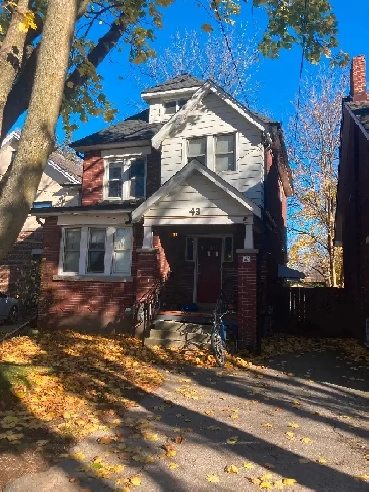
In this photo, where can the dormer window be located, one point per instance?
(126, 179)
(171, 107)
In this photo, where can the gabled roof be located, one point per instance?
(135, 127)
(360, 109)
(71, 170)
(209, 86)
(184, 81)
(181, 176)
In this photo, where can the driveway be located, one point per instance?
(300, 424)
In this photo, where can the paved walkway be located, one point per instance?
(223, 418)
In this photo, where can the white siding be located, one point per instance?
(197, 192)
(155, 110)
(213, 116)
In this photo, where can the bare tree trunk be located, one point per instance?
(11, 52)
(37, 137)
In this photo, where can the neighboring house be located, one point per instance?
(352, 217)
(194, 186)
(60, 185)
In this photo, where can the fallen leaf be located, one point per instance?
(266, 485)
(173, 465)
(266, 476)
(212, 478)
(306, 440)
(179, 439)
(289, 481)
(295, 402)
(248, 466)
(290, 435)
(321, 460)
(364, 478)
(105, 440)
(171, 453)
(232, 440)
(267, 424)
(231, 469)
(293, 425)
(136, 480)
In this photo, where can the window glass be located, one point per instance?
(189, 249)
(72, 240)
(96, 251)
(122, 251)
(181, 103)
(224, 153)
(115, 181)
(170, 107)
(137, 177)
(45, 204)
(197, 149)
(228, 249)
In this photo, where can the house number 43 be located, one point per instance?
(194, 211)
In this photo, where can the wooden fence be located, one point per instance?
(321, 311)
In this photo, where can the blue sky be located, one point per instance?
(278, 78)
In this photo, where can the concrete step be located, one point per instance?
(168, 333)
(180, 327)
(168, 343)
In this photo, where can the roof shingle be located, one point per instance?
(361, 111)
(184, 81)
(133, 128)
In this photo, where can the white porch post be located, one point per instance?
(248, 242)
(147, 237)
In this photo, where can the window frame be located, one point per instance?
(90, 230)
(233, 135)
(188, 157)
(177, 105)
(84, 244)
(125, 164)
(113, 272)
(210, 147)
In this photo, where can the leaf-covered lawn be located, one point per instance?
(56, 388)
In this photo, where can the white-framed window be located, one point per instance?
(126, 179)
(92, 250)
(196, 149)
(171, 107)
(217, 152)
(225, 159)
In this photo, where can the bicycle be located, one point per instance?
(219, 339)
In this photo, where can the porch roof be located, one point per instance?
(289, 273)
(180, 177)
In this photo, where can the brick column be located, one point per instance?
(147, 270)
(247, 298)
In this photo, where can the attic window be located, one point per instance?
(171, 107)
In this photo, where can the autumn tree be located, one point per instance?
(50, 52)
(313, 144)
(198, 53)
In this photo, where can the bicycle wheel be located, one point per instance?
(217, 345)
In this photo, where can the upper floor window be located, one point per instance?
(96, 250)
(196, 149)
(127, 179)
(224, 153)
(171, 107)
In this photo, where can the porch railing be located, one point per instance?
(146, 308)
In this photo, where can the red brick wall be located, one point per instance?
(247, 302)
(19, 273)
(358, 79)
(83, 305)
(92, 178)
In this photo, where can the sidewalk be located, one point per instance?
(300, 425)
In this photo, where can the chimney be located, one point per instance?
(358, 79)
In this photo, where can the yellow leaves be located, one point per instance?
(212, 478)
(267, 424)
(231, 469)
(151, 437)
(366, 456)
(363, 478)
(306, 440)
(321, 461)
(295, 403)
(290, 435)
(232, 440)
(289, 481)
(266, 476)
(171, 453)
(135, 481)
(248, 466)
(28, 22)
(266, 485)
(293, 425)
(172, 465)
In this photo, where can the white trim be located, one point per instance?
(181, 176)
(171, 93)
(193, 221)
(12, 136)
(83, 257)
(357, 122)
(198, 96)
(63, 172)
(115, 145)
(126, 152)
(79, 220)
(125, 164)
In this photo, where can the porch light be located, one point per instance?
(174, 234)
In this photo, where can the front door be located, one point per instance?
(209, 264)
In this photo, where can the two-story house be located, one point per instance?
(60, 185)
(194, 186)
(352, 216)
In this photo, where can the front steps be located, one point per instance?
(180, 330)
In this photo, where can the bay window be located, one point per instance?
(126, 179)
(96, 251)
